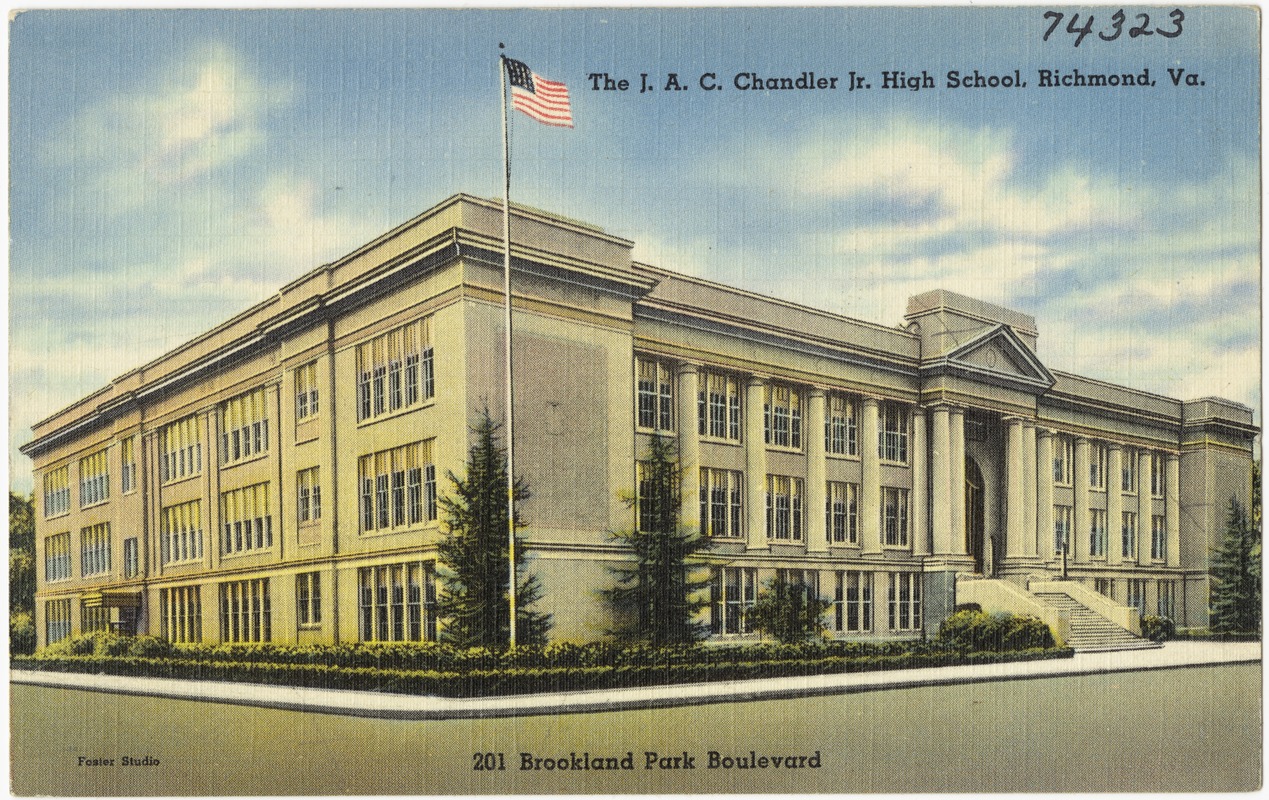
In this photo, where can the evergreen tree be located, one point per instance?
(790, 612)
(21, 574)
(655, 598)
(474, 600)
(1235, 576)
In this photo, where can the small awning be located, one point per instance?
(111, 598)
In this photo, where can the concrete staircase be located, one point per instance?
(1090, 631)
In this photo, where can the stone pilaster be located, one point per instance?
(689, 439)
(816, 472)
(1080, 521)
(1015, 515)
(941, 481)
(1029, 489)
(1172, 508)
(1145, 510)
(755, 466)
(1044, 493)
(870, 479)
(1114, 504)
(920, 505)
(957, 487)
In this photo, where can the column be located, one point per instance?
(1079, 520)
(1172, 508)
(816, 473)
(957, 487)
(1029, 532)
(689, 439)
(755, 466)
(870, 479)
(1145, 509)
(941, 481)
(1015, 516)
(1044, 493)
(1114, 504)
(920, 508)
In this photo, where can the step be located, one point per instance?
(1090, 631)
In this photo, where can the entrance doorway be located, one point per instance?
(975, 518)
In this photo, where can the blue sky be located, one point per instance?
(170, 168)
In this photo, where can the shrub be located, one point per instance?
(791, 612)
(967, 607)
(1157, 629)
(21, 633)
(978, 631)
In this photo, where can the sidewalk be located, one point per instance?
(1172, 655)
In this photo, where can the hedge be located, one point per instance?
(977, 630)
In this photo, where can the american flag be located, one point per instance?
(546, 101)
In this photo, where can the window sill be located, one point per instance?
(842, 456)
(402, 411)
(720, 440)
(95, 505)
(255, 551)
(173, 481)
(251, 459)
(656, 431)
(889, 462)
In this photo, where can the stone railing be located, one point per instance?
(999, 595)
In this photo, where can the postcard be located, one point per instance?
(635, 400)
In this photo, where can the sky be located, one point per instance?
(169, 169)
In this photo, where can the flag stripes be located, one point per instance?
(544, 100)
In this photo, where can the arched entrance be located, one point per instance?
(975, 516)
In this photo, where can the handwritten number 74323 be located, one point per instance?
(1079, 29)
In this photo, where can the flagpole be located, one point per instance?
(506, 341)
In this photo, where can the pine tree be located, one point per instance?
(656, 598)
(1235, 576)
(790, 612)
(474, 600)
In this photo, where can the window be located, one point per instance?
(1097, 466)
(722, 503)
(57, 492)
(94, 479)
(92, 620)
(248, 523)
(1062, 460)
(306, 404)
(718, 407)
(308, 493)
(655, 401)
(840, 431)
(1097, 532)
(180, 450)
(308, 598)
(853, 605)
(782, 417)
(398, 487)
(131, 558)
(181, 533)
(841, 513)
(1137, 595)
(1061, 529)
(784, 508)
(57, 557)
(395, 370)
(244, 426)
(893, 433)
(1104, 586)
(733, 591)
(894, 516)
(1157, 475)
(397, 603)
(181, 614)
(94, 550)
(905, 601)
(57, 620)
(1158, 537)
(1129, 535)
(1167, 599)
(244, 611)
(128, 481)
(648, 516)
(1128, 478)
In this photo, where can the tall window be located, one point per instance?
(1157, 479)
(718, 406)
(1097, 532)
(1158, 537)
(92, 620)
(181, 614)
(1137, 595)
(398, 487)
(57, 492)
(840, 431)
(655, 390)
(94, 479)
(893, 433)
(181, 533)
(1062, 460)
(905, 601)
(244, 424)
(1128, 478)
(57, 557)
(248, 519)
(1097, 466)
(395, 370)
(397, 603)
(841, 514)
(306, 395)
(94, 550)
(722, 503)
(245, 615)
(784, 508)
(894, 516)
(853, 604)
(57, 620)
(1061, 529)
(1128, 535)
(733, 591)
(308, 598)
(1104, 586)
(180, 450)
(131, 558)
(308, 495)
(129, 457)
(782, 416)
(1167, 599)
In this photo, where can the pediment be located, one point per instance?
(998, 354)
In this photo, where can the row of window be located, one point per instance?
(1098, 539)
(398, 487)
(1098, 467)
(395, 370)
(734, 590)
